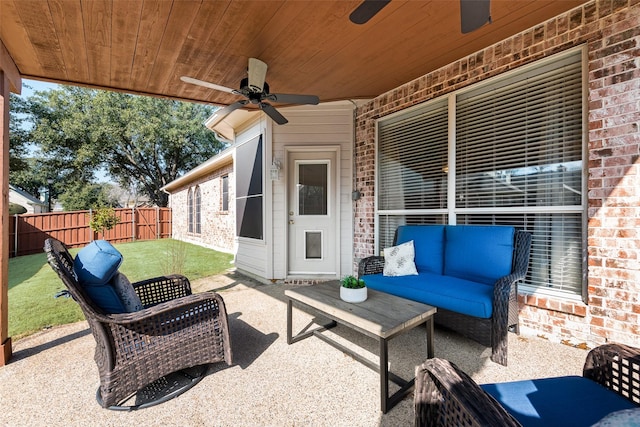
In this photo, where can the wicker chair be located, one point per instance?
(490, 332)
(156, 353)
(446, 396)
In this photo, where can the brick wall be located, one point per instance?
(217, 226)
(611, 32)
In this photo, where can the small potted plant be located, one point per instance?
(352, 289)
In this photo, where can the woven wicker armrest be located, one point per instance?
(370, 265)
(446, 396)
(617, 367)
(174, 311)
(161, 289)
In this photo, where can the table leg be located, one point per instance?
(384, 375)
(430, 346)
(302, 335)
(289, 321)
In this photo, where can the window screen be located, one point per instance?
(249, 192)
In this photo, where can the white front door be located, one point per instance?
(312, 213)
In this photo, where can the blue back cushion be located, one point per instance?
(428, 242)
(95, 265)
(478, 253)
(560, 401)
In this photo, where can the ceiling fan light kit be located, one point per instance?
(256, 91)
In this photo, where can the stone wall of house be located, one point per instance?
(611, 31)
(217, 226)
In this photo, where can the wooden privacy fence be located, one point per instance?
(28, 232)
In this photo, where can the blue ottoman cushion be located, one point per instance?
(535, 403)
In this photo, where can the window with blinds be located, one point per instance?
(518, 153)
(190, 210)
(197, 212)
(412, 160)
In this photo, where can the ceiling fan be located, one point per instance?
(256, 91)
(473, 13)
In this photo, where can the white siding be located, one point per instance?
(328, 125)
(252, 255)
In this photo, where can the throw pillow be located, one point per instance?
(400, 260)
(128, 296)
(96, 263)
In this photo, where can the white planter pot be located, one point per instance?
(353, 295)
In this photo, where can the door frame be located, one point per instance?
(334, 149)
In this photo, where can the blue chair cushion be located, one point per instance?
(105, 297)
(428, 243)
(562, 401)
(449, 293)
(94, 266)
(478, 253)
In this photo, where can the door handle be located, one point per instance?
(291, 222)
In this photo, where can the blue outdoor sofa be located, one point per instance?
(468, 272)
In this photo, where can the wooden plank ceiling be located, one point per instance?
(311, 47)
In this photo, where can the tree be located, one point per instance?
(81, 196)
(142, 142)
(18, 134)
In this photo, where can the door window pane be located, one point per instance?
(312, 189)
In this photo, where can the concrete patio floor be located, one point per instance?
(52, 379)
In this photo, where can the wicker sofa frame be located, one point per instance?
(490, 332)
(175, 331)
(445, 396)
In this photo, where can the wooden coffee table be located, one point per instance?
(382, 316)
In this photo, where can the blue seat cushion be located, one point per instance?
(562, 401)
(95, 265)
(105, 297)
(428, 242)
(478, 253)
(449, 293)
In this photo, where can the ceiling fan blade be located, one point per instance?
(273, 113)
(257, 74)
(293, 99)
(221, 113)
(474, 14)
(214, 86)
(367, 10)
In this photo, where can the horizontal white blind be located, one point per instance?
(519, 161)
(556, 247)
(412, 160)
(519, 141)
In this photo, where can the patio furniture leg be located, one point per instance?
(304, 334)
(430, 345)
(387, 402)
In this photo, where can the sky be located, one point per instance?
(36, 85)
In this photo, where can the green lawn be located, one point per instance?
(33, 284)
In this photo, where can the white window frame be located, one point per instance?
(451, 211)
